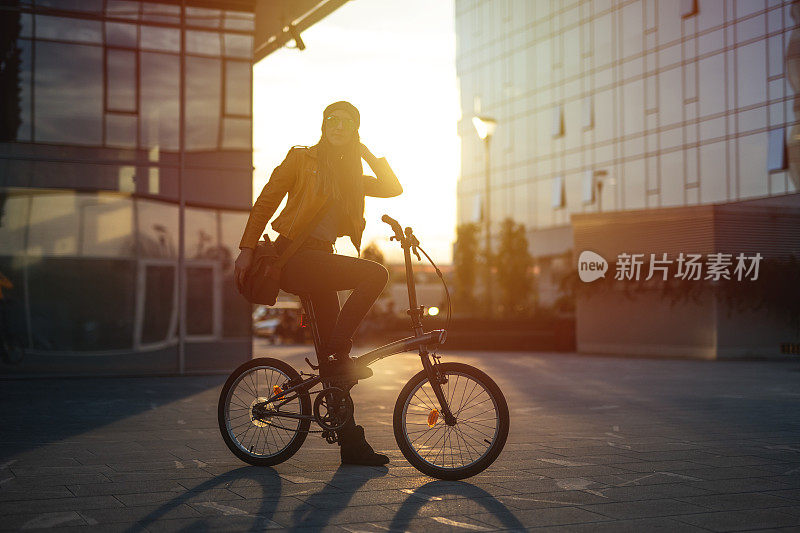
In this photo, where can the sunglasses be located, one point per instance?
(334, 121)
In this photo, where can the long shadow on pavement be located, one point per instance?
(495, 510)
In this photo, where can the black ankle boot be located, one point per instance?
(355, 450)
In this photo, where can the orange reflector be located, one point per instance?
(276, 389)
(433, 417)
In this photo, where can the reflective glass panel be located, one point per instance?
(121, 34)
(239, 20)
(238, 45)
(158, 228)
(95, 6)
(203, 95)
(160, 39)
(203, 17)
(68, 93)
(159, 107)
(156, 12)
(121, 80)
(127, 9)
(237, 88)
(121, 130)
(107, 226)
(13, 222)
(203, 42)
(236, 133)
(68, 29)
(202, 233)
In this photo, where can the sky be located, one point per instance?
(395, 61)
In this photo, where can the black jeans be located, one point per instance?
(315, 270)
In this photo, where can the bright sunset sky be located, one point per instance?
(395, 61)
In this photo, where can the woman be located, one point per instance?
(311, 175)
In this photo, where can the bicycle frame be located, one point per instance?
(420, 341)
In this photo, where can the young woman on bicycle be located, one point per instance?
(311, 175)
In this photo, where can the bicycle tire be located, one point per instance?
(247, 375)
(498, 431)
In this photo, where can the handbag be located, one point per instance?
(261, 282)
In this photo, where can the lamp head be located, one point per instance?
(485, 126)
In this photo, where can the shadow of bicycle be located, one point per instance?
(435, 491)
(270, 503)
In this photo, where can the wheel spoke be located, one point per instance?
(461, 445)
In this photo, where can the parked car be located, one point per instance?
(279, 323)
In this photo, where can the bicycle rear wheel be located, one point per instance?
(248, 428)
(465, 448)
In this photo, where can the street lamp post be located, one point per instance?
(485, 127)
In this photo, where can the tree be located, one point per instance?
(514, 264)
(373, 252)
(465, 267)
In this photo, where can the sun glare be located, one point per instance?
(402, 79)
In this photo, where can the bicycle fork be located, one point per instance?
(436, 380)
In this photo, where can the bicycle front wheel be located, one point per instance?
(254, 430)
(465, 448)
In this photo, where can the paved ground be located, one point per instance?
(596, 444)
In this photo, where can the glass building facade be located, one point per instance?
(667, 102)
(116, 117)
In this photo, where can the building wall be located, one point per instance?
(676, 110)
(92, 151)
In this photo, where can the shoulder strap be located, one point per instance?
(281, 260)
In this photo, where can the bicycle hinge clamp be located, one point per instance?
(416, 316)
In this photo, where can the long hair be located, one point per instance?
(340, 173)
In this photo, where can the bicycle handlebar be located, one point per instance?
(398, 231)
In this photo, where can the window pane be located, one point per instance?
(82, 304)
(161, 13)
(202, 233)
(203, 80)
(238, 45)
(95, 6)
(751, 73)
(69, 93)
(127, 9)
(159, 302)
(121, 80)
(54, 225)
(68, 29)
(161, 39)
(121, 34)
(159, 106)
(121, 130)
(204, 17)
(199, 301)
(158, 229)
(753, 178)
(13, 222)
(107, 226)
(237, 88)
(237, 134)
(712, 85)
(203, 42)
(26, 23)
(239, 20)
(713, 175)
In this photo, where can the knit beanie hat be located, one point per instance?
(346, 106)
